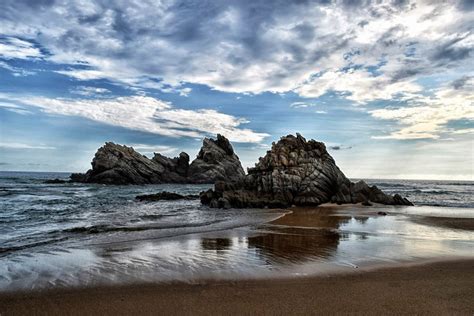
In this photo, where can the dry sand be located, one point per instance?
(436, 288)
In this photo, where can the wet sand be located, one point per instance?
(447, 222)
(434, 288)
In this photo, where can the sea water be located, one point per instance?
(63, 235)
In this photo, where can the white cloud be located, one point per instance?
(89, 91)
(147, 149)
(83, 74)
(12, 47)
(361, 86)
(185, 92)
(298, 105)
(17, 72)
(427, 117)
(14, 108)
(149, 115)
(23, 146)
(463, 131)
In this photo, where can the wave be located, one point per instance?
(435, 192)
(5, 250)
(98, 229)
(385, 184)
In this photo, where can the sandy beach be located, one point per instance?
(413, 273)
(433, 288)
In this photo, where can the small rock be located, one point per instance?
(55, 181)
(168, 196)
(382, 213)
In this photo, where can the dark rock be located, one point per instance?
(78, 177)
(117, 164)
(382, 213)
(55, 181)
(295, 172)
(165, 195)
(215, 161)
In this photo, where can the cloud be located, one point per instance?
(148, 114)
(17, 72)
(89, 91)
(461, 82)
(463, 131)
(6, 145)
(185, 92)
(14, 108)
(427, 117)
(148, 149)
(298, 105)
(361, 86)
(260, 47)
(13, 47)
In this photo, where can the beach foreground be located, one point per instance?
(435, 288)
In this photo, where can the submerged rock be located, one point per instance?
(165, 195)
(295, 172)
(117, 164)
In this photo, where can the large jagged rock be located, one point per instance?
(117, 164)
(295, 172)
(216, 161)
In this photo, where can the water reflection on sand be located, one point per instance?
(305, 240)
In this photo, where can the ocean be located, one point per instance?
(62, 235)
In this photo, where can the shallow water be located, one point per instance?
(83, 235)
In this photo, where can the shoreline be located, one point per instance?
(437, 286)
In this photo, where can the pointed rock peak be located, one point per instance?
(221, 142)
(300, 138)
(224, 143)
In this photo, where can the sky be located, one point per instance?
(387, 85)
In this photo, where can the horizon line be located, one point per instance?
(350, 178)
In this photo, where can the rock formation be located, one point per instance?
(295, 172)
(216, 161)
(117, 164)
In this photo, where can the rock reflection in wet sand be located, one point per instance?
(217, 244)
(304, 234)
